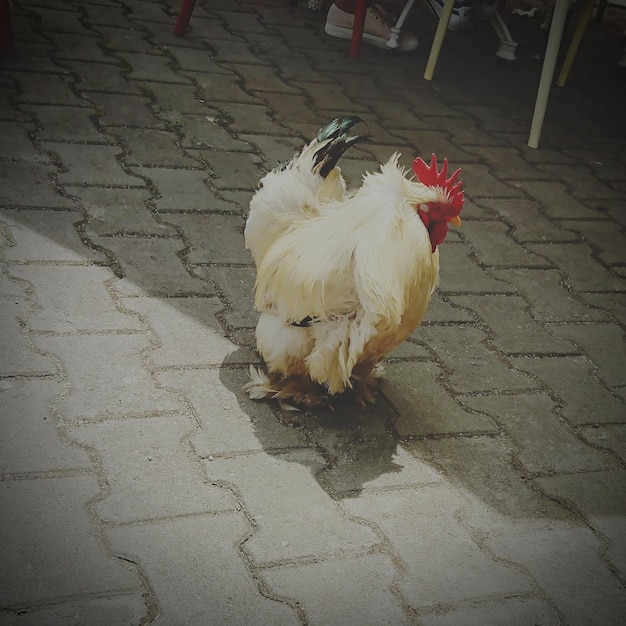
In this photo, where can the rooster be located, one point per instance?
(342, 277)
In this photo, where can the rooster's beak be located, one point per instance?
(455, 221)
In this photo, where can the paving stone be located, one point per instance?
(495, 488)
(59, 122)
(609, 437)
(49, 236)
(204, 580)
(471, 279)
(513, 330)
(19, 357)
(49, 538)
(444, 310)
(279, 520)
(274, 150)
(510, 611)
(233, 170)
(208, 27)
(351, 591)
(565, 560)
(16, 144)
(205, 131)
(603, 344)
(231, 422)
(465, 132)
(582, 182)
(220, 87)
(31, 182)
(73, 299)
(470, 365)
(548, 295)
(124, 110)
(237, 285)
(25, 407)
(614, 303)
(149, 473)
(604, 237)
(509, 162)
(423, 403)
(532, 418)
(101, 77)
(601, 497)
(81, 47)
(151, 67)
(119, 609)
(528, 220)
(438, 142)
(556, 200)
(152, 147)
(182, 189)
(583, 398)
(98, 15)
(143, 275)
(589, 274)
(106, 388)
(212, 237)
(47, 88)
(91, 165)
(175, 99)
(187, 330)
(494, 246)
(116, 211)
(443, 563)
(253, 119)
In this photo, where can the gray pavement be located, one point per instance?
(139, 484)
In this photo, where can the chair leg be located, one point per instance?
(581, 25)
(183, 18)
(547, 71)
(440, 34)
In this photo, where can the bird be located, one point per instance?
(342, 276)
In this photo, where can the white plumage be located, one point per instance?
(342, 278)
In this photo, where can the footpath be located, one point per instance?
(139, 485)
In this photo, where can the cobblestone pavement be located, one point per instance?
(138, 484)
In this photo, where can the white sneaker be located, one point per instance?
(377, 30)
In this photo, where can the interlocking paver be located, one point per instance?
(27, 418)
(365, 596)
(202, 579)
(278, 536)
(555, 447)
(139, 481)
(149, 476)
(443, 563)
(188, 330)
(49, 538)
(573, 379)
(80, 303)
(106, 388)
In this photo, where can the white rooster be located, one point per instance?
(342, 278)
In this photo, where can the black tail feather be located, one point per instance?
(326, 158)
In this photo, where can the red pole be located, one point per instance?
(357, 29)
(183, 17)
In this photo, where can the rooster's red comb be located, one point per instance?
(431, 176)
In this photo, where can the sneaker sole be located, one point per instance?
(379, 42)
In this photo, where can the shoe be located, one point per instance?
(377, 30)
(461, 12)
